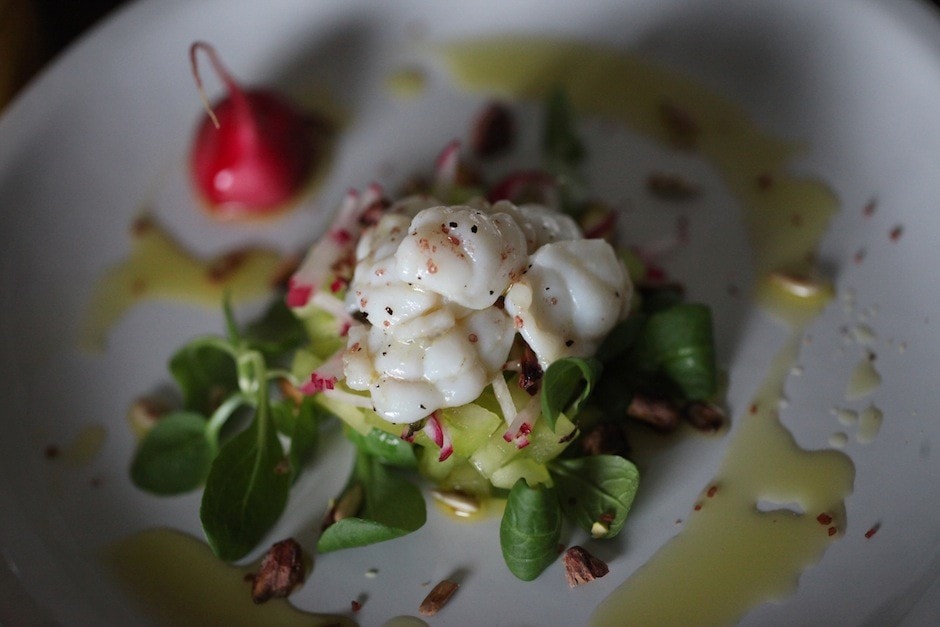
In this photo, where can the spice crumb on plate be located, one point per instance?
(581, 567)
(438, 597)
(281, 570)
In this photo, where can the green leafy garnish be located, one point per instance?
(530, 530)
(562, 148)
(566, 385)
(391, 507)
(387, 447)
(676, 351)
(175, 455)
(245, 494)
(247, 487)
(305, 434)
(205, 371)
(247, 476)
(596, 492)
(276, 333)
(563, 151)
(621, 338)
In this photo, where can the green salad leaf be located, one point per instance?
(301, 425)
(621, 338)
(530, 529)
(387, 447)
(596, 489)
(205, 371)
(566, 385)
(563, 151)
(278, 332)
(561, 146)
(246, 490)
(391, 507)
(676, 351)
(175, 455)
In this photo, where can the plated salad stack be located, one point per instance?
(485, 342)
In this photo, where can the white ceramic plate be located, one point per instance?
(101, 135)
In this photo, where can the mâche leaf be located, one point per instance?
(676, 348)
(596, 492)
(561, 145)
(563, 151)
(246, 489)
(530, 529)
(566, 385)
(305, 434)
(205, 371)
(391, 507)
(277, 332)
(387, 447)
(621, 338)
(175, 455)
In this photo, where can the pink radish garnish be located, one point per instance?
(252, 152)
(447, 165)
(438, 434)
(320, 271)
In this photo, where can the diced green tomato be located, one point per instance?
(493, 455)
(469, 427)
(545, 444)
(421, 439)
(526, 468)
(430, 467)
(504, 463)
(487, 400)
(463, 477)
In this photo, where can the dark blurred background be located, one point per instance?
(62, 20)
(33, 31)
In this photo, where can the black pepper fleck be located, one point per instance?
(473, 229)
(453, 225)
(388, 310)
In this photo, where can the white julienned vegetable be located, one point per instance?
(446, 289)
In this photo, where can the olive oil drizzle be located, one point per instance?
(773, 508)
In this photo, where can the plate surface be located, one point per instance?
(101, 136)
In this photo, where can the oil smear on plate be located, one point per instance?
(773, 508)
(159, 268)
(865, 377)
(180, 580)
